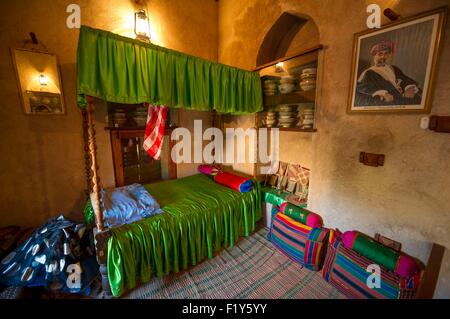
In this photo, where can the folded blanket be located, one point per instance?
(238, 183)
(403, 265)
(127, 204)
(301, 215)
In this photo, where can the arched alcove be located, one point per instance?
(291, 32)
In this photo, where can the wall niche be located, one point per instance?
(291, 33)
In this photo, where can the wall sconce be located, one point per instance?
(279, 67)
(43, 80)
(141, 26)
(40, 92)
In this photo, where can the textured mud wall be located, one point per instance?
(409, 198)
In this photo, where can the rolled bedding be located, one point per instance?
(301, 215)
(238, 183)
(208, 169)
(401, 264)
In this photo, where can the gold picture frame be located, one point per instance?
(405, 85)
(38, 81)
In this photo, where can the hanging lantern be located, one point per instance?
(141, 25)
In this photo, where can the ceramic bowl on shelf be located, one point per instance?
(307, 76)
(287, 114)
(119, 122)
(288, 125)
(269, 81)
(287, 79)
(307, 87)
(271, 87)
(270, 91)
(288, 107)
(287, 120)
(140, 121)
(286, 88)
(309, 71)
(308, 81)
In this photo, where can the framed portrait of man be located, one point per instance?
(393, 67)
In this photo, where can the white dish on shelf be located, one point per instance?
(286, 88)
(286, 125)
(304, 76)
(288, 107)
(307, 87)
(308, 81)
(309, 71)
(270, 87)
(288, 120)
(287, 114)
(287, 79)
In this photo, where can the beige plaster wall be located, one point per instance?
(42, 161)
(307, 37)
(407, 199)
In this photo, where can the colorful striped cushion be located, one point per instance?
(299, 242)
(346, 270)
(401, 264)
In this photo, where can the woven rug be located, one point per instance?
(253, 269)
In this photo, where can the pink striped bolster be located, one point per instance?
(406, 266)
(282, 206)
(313, 220)
(348, 238)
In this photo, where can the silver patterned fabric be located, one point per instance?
(58, 255)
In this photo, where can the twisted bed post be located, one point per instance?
(100, 234)
(95, 199)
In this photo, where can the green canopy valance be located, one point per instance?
(124, 70)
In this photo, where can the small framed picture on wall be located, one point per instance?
(394, 67)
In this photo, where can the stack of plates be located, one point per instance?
(308, 79)
(140, 116)
(287, 116)
(287, 84)
(307, 118)
(270, 119)
(270, 87)
(119, 117)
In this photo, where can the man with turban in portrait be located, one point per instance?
(385, 84)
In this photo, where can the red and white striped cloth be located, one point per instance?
(154, 129)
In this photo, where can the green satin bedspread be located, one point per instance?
(200, 218)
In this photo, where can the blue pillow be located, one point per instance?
(127, 204)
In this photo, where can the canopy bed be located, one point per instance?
(200, 216)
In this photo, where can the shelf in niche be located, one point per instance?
(293, 129)
(294, 98)
(135, 128)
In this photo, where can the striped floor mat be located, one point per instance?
(253, 269)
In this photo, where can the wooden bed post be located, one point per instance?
(87, 156)
(94, 167)
(100, 234)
